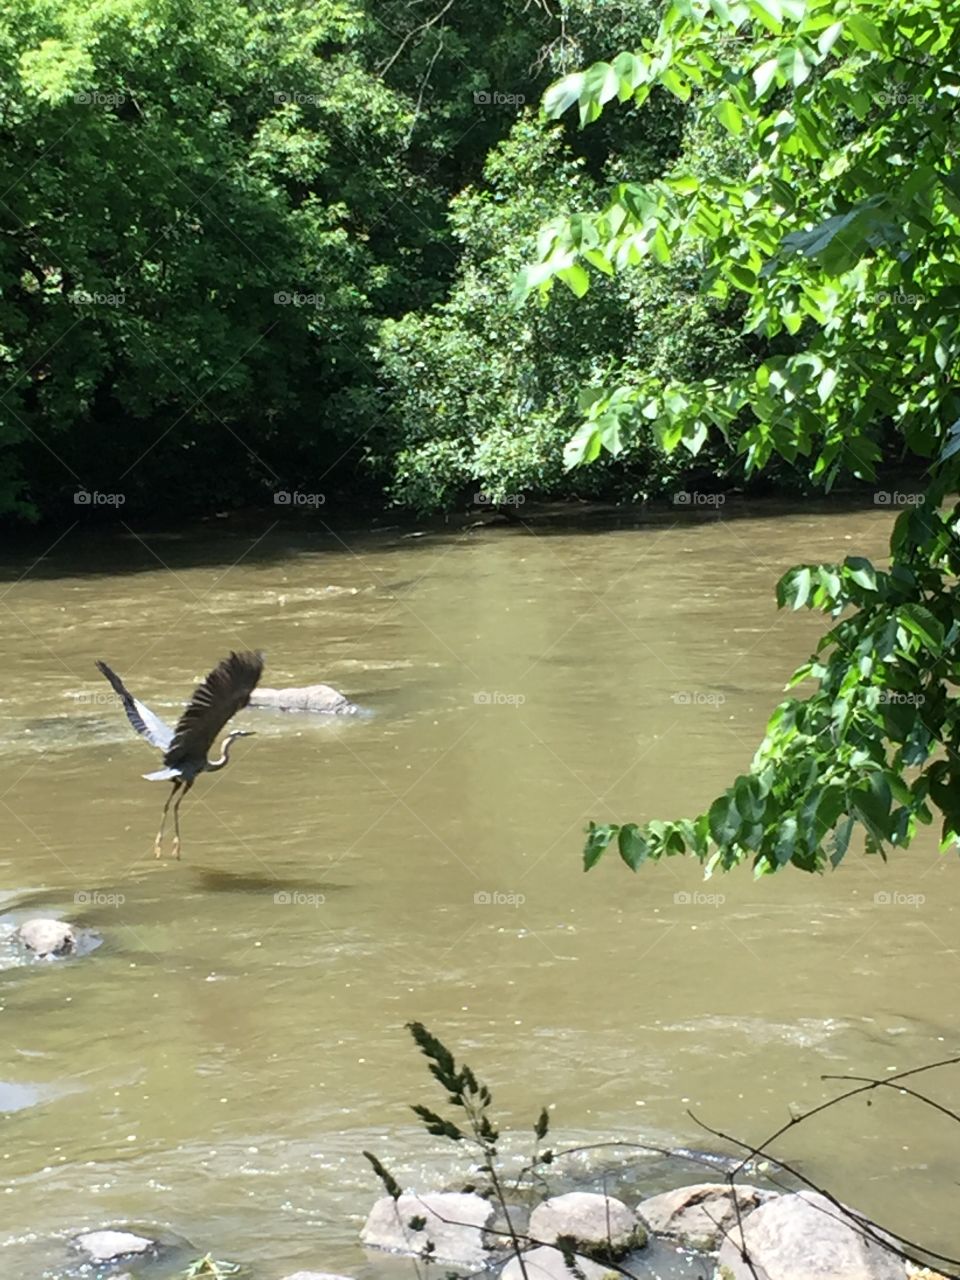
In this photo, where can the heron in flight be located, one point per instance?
(224, 692)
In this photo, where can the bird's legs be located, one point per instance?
(176, 818)
(157, 844)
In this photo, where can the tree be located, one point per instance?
(843, 240)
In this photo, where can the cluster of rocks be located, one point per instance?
(750, 1232)
(753, 1233)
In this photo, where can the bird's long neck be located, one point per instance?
(214, 765)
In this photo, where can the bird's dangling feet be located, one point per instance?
(157, 847)
(176, 847)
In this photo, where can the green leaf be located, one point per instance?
(729, 116)
(763, 76)
(598, 841)
(919, 621)
(861, 572)
(576, 279)
(633, 847)
(583, 446)
(864, 32)
(562, 95)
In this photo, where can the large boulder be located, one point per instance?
(547, 1263)
(454, 1221)
(593, 1222)
(101, 1247)
(700, 1216)
(312, 697)
(48, 938)
(804, 1236)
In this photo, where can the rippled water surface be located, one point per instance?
(217, 1065)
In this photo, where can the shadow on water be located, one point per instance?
(215, 880)
(84, 550)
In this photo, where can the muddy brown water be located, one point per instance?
(217, 1065)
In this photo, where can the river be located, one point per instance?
(219, 1063)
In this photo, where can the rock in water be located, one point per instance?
(48, 938)
(315, 1275)
(595, 1222)
(804, 1236)
(700, 1216)
(312, 697)
(110, 1246)
(453, 1221)
(547, 1263)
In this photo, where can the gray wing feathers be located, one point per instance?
(147, 724)
(224, 692)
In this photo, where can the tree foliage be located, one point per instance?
(842, 239)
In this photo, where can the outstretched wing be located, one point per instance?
(225, 691)
(147, 724)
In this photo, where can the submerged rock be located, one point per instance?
(592, 1221)
(700, 1216)
(312, 697)
(547, 1263)
(110, 1246)
(315, 1275)
(453, 1221)
(804, 1236)
(48, 938)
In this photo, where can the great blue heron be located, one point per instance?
(224, 692)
